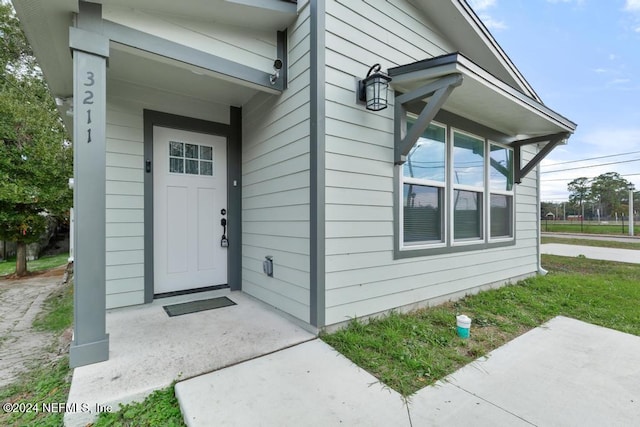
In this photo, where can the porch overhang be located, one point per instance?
(453, 83)
(47, 25)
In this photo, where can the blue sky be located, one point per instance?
(582, 57)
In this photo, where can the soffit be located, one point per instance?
(483, 98)
(46, 24)
(166, 75)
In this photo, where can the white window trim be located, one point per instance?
(470, 188)
(449, 194)
(511, 193)
(429, 183)
(425, 244)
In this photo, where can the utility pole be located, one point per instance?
(581, 214)
(631, 222)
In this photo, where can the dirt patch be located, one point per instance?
(20, 345)
(54, 272)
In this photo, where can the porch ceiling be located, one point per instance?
(46, 24)
(132, 66)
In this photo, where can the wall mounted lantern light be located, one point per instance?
(373, 89)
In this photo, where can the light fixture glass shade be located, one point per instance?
(374, 88)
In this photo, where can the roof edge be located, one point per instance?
(485, 34)
(458, 62)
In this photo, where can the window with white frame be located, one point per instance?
(468, 187)
(457, 189)
(423, 197)
(501, 191)
(191, 159)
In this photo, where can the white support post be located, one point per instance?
(630, 212)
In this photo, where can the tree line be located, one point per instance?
(601, 197)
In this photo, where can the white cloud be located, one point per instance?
(624, 139)
(632, 5)
(479, 5)
(489, 22)
(492, 24)
(618, 82)
(578, 2)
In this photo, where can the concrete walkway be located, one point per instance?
(592, 252)
(565, 372)
(149, 350)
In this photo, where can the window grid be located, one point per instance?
(191, 159)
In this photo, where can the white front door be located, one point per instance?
(189, 193)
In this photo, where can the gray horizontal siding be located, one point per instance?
(275, 185)
(122, 299)
(125, 213)
(362, 277)
(346, 311)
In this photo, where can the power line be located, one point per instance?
(595, 158)
(593, 166)
(571, 179)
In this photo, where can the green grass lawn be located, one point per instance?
(45, 383)
(407, 352)
(634, 244)
(45, 263)
(161, 408)
(588, 227)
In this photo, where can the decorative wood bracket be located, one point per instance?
(554, 140)
(438, 91)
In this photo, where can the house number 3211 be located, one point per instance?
(88, 100)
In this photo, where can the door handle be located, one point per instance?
(224, 242)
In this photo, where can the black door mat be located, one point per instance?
(195, 306)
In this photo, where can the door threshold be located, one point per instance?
(190, 291)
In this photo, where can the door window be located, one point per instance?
(191, 159)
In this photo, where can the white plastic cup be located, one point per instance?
(464, 325)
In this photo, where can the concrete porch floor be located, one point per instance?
(149, 349)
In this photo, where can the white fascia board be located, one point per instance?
(491, 42)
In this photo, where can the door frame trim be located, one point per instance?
(233, 133)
